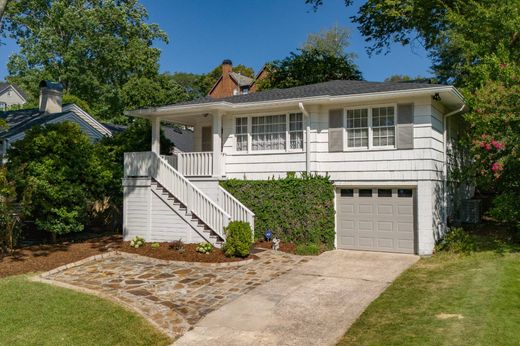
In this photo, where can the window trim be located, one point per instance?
(287, 149)
(370, 128)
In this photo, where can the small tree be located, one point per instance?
(58, 167)
(10, 218)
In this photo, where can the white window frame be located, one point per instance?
(250, 133)
(370, 128)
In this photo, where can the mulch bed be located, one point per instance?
(188, 254)
(285, 247)
(44, 257)
(37, 258)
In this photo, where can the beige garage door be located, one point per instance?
(376, 219)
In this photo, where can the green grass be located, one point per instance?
(483, 288)
(39, 314)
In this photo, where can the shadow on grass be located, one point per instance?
(493, 236)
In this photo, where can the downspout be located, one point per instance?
(307, 138)
(445, 163)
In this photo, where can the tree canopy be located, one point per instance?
(321, 58)
(93, 47)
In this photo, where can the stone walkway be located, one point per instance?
(172, 295)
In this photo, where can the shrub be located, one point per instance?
(176, 245)
(457, 240)
(307, 249)
(238, 239)
(137, 242)
(59, 170)
(297, 210)
(10, 215)
(155, 245)
(205, 248)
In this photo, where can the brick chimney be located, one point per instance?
(51, 94)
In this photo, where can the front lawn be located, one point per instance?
(40, 314)
(449, 299)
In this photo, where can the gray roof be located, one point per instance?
(22, 120)
(241, 79)
(331, 88)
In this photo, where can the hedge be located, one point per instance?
(297, 210)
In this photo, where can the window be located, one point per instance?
(365, 193)
(347, 192)
(383, 126)
(241, 133)
(384, 192)
(3, 106)
(357, 128)
(404, 193)
(296, 130)
(268, 132)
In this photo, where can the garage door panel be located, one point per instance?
(385, 209)
(376, 223)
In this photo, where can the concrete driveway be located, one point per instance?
(313, 304)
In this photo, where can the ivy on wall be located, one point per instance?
(298, 210)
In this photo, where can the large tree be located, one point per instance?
(321, 58)
(93, 47)
(476, 45)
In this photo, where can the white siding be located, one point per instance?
(147, 215)
(419, 167)
(11, 97)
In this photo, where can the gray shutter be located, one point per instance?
(404, 130)
(336, 130)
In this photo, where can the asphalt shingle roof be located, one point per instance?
(331, 88)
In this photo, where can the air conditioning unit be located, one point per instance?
(470, 211)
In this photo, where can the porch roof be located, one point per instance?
(321, 93)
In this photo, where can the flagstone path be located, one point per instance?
(172, 295)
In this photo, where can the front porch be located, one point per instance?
(207, 158)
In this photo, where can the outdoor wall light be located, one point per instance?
(436, 97)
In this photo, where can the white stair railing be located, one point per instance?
(196, 202)
(235, 208)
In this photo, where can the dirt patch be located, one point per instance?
(449, 316)
(45, 257)
(188, 254)
(285, 247)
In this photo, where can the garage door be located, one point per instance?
(376, 219)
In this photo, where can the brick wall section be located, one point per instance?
(226, 84)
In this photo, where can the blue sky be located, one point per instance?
(251, 32)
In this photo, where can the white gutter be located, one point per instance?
(324, 99)
(307, 138)
(445, 155)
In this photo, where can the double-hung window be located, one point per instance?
(268, 132)
(241, 133)
(357, 128)
(280, 132)
(383, 126)
(296, 130)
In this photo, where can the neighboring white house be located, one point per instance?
(50, 111)
(10, 95)
(384, 145)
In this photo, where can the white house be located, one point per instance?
(11, 95)
(384, 145)
(50, 111)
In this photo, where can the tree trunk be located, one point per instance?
(3, 4)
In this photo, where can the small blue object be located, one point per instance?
(268, 235)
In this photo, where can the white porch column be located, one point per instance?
(156, 135)
(217, 143)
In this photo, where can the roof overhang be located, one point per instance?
(449, 96)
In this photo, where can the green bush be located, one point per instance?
(238, 239)
(307, 249)
(137, 242)
(204, 248)
(457, 240)
(297, 210)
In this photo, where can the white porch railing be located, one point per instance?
(236, 209)
(194, 164)
(196, 202)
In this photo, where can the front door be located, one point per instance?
(207, 139)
